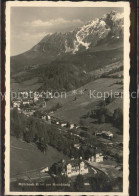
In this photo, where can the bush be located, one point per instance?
(118, 118)
(79, 183)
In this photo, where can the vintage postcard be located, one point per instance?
(67, 98)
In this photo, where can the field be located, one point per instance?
(32, 84)
(111, 168)
(26, 157)
(74, 108)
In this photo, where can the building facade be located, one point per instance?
(75, 168)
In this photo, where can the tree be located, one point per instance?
(93, 183)
(103, 103)
(42, 145)
(60, 144)
(21, 105)
(118, 158)
(101, 183)
(82, 122)
(88, 153)
(108, 100)
(118, 118)
(79, 183)
(102, 118)
(56, 169)
(84, 134)
(17, 123)
(61, 179)
(27, 136)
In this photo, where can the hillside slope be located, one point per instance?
(26, 154)
(64, 60)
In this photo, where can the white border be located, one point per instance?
(126, 7)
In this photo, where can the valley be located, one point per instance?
(78, 137)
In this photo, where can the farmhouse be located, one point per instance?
(44, 104)
(77, 146)
(16, 104)
(72, 126)
(98, 134)
(28, 112)
(43, 117)
(36, 98)
(63, 124)
(98, 157)
(47, 118)
(46, 169)
(105, 134)
(26, 102)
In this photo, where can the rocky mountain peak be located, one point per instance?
(110, 26)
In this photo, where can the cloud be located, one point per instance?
(28, 36)
(34, 36)
(52, 22)
(26, 40)
(31, 32)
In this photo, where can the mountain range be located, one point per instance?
(64, 60)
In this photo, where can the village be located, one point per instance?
(95, 163)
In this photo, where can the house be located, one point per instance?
(45, 170)
(19, 110)
(70, 168)
(28, 112)
(96, 158)
(46, 118)
(36, 98)
(98, 134)
(107, 134)
(44, 104)
(43, 117)
(16, 104)
(63, 124)
(26, 102)
(92, 159)
(76, 167)
(71, 126)
(77, 146)
(99, 157)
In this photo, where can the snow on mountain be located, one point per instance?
(98, 34)
(99, 29)
(96, 30)
(85, 37)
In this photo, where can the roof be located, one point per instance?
(16, 101)
(73, 162)
(28, 110)
(106, 132)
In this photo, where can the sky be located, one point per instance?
(29, 25)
